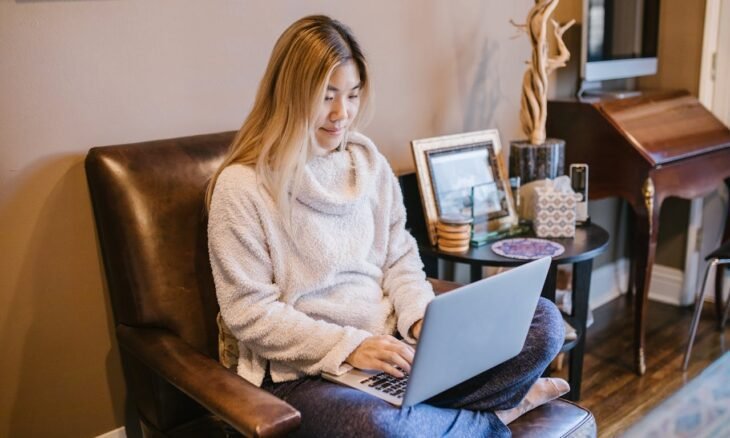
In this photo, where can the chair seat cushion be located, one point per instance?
(559, 418)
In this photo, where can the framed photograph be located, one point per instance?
(463, 175)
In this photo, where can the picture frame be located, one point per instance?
(449, 167)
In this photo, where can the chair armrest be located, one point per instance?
(249, 409)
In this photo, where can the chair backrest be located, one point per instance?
(148, 202)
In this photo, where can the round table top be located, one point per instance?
(589, 241)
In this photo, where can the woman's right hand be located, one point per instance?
(382, 353)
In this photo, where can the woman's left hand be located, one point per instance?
(415, 330)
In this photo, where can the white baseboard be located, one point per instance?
(116, 433)
(611, 280)
(666, 285)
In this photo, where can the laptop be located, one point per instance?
(465, 332)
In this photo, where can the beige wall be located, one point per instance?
(681, 26)
(79, 73)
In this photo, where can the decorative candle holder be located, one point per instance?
(534, 162)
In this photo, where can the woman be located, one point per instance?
(314, 270)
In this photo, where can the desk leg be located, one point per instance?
(647, 230)
(631, 237)
(581, 290)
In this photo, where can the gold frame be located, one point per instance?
(422, 148)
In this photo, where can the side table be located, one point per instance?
(589, 241)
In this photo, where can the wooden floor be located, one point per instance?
(612, 391)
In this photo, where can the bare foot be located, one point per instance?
(541, 392)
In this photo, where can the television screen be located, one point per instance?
(620, 30)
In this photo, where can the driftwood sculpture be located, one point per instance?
(533, 111)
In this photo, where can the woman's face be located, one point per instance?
(339, 108)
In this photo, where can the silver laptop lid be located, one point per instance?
(474, 328)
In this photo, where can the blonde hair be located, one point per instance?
(277, 136)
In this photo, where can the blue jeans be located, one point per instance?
(332, 410)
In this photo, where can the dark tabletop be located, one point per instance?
(589, 241)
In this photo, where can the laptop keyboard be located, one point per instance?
(388, 384)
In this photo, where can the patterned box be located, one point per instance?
(554, 213)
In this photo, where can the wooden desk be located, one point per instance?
(644, 150)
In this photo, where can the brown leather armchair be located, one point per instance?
(150, 217)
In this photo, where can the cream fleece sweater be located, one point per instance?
(353, 270)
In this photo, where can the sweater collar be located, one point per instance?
(336, 182)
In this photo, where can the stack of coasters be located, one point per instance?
(454, 233)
